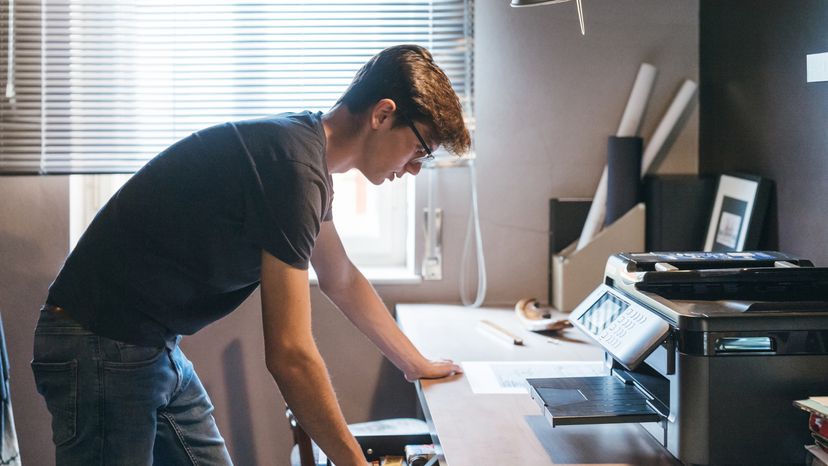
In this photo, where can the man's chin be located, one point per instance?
(375, 179)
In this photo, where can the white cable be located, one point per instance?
(474, 227)
(581, 16)
(431, 221)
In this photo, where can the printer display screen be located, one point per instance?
(602, 313)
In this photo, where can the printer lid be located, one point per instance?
(707, 276)
(799, 284)
(706, 291)
(696, 260)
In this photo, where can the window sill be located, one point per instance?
(382, 276)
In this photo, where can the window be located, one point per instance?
(375, 222)
(101, 87)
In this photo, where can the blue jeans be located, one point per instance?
(118, 404)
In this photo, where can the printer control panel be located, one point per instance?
(624, 328)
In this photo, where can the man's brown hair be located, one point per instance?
(408, 75)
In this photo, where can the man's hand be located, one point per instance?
(434, 370)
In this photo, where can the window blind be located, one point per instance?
(102, 86)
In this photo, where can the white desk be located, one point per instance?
(509, 429)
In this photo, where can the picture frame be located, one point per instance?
(738, 213)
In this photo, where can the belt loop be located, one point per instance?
(52, 309)
(171, 343)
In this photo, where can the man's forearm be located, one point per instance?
(306, 387)
(292, 357)
(345, 285)
(360, 303)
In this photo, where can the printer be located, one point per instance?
(706, 350)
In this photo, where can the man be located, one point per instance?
(193, 233)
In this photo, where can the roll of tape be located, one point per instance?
(529, 307)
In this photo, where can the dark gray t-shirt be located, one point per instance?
(179, 245)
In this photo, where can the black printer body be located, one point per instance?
(706, 350)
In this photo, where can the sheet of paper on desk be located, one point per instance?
(493, 377)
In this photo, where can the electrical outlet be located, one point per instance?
(432, 267)
(817, 66)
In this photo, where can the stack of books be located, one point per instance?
(817, 407)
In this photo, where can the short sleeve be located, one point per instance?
(328, 216)
(284, 210)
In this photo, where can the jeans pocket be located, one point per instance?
(131, 356)
(57, 382)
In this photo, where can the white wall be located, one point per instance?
(546, 99)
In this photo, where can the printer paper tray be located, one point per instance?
(591, 400)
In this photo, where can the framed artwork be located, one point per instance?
(738, 213)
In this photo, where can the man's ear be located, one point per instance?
(382, 113)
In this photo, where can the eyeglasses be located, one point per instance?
(429, 156)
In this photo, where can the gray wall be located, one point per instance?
(546, 100)
(34, 229)
(762, 117)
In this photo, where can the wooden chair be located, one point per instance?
(302, 445)
(377, 438)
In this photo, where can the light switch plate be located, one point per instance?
(817, 65)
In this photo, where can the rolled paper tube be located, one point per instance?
(669, 126)
(630, 123)
(623, 176)
(595, 217)
(637, 103)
